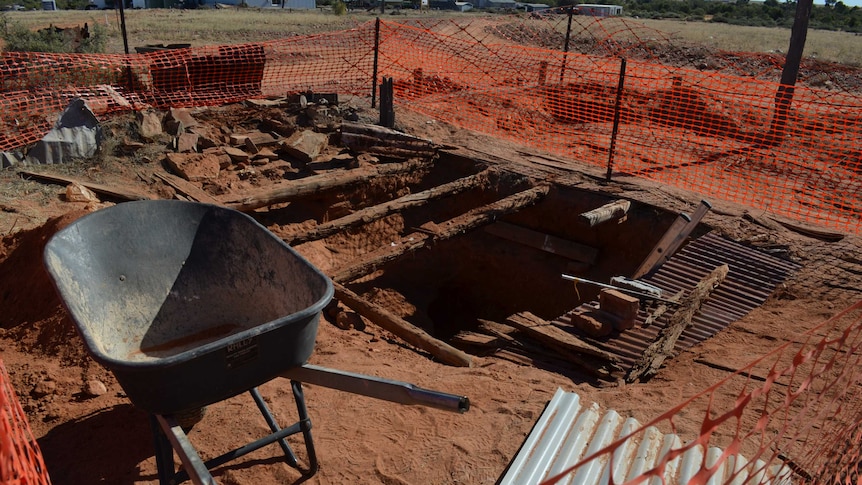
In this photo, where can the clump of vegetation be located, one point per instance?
(834, 15)
(81, 40)
(339, 7)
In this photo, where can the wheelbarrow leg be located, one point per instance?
(304, 425)
(178, 441)
(273, 426)
(164, 453)
(170, 437)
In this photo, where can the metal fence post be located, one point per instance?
(123, 26)
(566, 43)
(376, 53)
(616, 118)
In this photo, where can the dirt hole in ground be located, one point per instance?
(446, 286)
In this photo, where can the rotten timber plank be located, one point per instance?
(477, 340)
(565, 346)
(115, 192)
(405, 330)
(188, 189)
(545, 242)
(316, 183)
(662, 348)
(545, 332)
(379, 211)
(458, 225)
(614, 210)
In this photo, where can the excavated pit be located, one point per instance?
(447, 285)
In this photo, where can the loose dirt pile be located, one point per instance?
(89, 432)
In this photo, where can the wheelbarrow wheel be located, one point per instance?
(189, 418)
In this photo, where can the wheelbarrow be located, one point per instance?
(189, 304)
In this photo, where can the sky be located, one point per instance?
(849, 3)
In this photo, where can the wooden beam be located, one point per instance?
(405, 330)
(696, 217)
(660, 310)
(615, 210)
(528, 352)
(477, 217)
(115, 192)
(552, 244)
(565, 345)
(661, 246)
(384, 134)
(476, 339)
(379, 211)
(547, 333)
(681, 228)
(187, 188)
(662, 348)
(809, 231)
(497, 329)
(316, 183)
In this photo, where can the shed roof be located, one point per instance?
(569, 430)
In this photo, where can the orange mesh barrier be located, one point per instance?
(796, 415)
(707, 121)
(20, 458)
(793, 152)
(35, 87)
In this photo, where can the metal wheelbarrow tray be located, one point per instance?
(186, 303)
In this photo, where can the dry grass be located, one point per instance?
(234, 25)
(842, 47)
(198, 27)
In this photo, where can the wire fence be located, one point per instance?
(641, 107)
(605, 92)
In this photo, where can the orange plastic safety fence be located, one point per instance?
(795, 417)
(630, 39)
(793, 152)
(20, 458)
(36, 87)
(712, 122)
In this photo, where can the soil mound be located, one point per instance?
(32, 311)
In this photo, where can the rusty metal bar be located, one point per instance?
(376, 387)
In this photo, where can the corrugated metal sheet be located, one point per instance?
(569, 430)
(753, 276)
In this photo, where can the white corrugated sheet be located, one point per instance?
(569, 430)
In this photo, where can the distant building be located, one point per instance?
(597, 10)
(441, 4)
(102, 4)
(534, 7)
(291, 4)
(498, 4)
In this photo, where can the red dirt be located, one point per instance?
(88, 438)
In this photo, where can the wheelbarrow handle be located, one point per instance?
(376, 387)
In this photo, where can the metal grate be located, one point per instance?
(753, 276)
